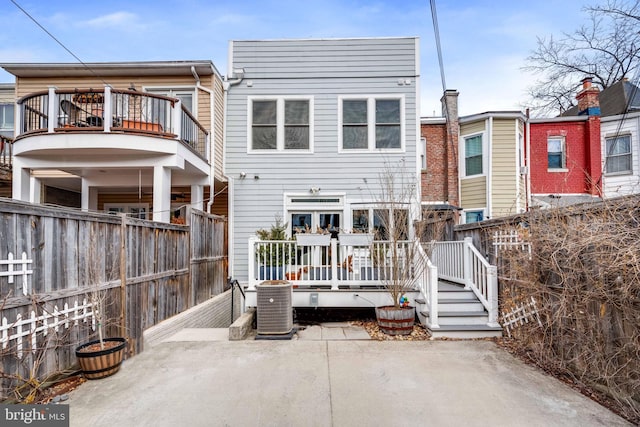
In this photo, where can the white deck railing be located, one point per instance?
(335, 266)
(460, 262)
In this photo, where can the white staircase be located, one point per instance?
(460, 314)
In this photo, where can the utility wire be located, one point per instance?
(58, 41)
(434, 18)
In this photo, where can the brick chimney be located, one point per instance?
(588, 102)
(450, 110)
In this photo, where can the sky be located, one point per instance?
(485, 43)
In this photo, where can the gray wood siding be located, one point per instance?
(323, 70)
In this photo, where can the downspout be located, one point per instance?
(226, 85)
(211, 138)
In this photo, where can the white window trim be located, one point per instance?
(465, 211)
(563, 140)
(485, 155)
(606, 156)
(279, 123)
(371, 123)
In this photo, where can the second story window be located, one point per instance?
(6, 116)
(280, 124)
(556, 157)
(618, 154)
(371, 123)
(473, 155)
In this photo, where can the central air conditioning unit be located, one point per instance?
(275, 310)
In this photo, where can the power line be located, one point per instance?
(58, 41)
(434, 18)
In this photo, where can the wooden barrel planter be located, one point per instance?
(96, 363)
(395, 320)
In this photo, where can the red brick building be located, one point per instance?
(565, 159)
(439, 177)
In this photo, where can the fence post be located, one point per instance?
(334, 265)
(466, 261)
(123, 275)
(492, 295)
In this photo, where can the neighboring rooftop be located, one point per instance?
(619, 98)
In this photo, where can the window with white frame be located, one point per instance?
(473, 216)
(371, 123)
(6, 116)
(618, 158)
(556, 154)
(280, 124)
(473, 155)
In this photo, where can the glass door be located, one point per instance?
(313, 220)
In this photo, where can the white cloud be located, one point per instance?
(120, 20)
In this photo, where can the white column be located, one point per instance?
(89, 197)
(107, 113)
(21, 181)
(161, 194)
(35, 195)
(197, 196)
(177, 119)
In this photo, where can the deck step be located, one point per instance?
(459, 305)
(460, 317)
(466, 331)
(459, 295)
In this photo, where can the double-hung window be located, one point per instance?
(371, 123)
(280, 124)
(556, 155)
(473, 155)
(618, 154)
(6, 116)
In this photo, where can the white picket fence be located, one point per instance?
(29, 328)
(521, 314)
(23, 270)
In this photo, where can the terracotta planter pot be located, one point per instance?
(99, 363)
(395, 321)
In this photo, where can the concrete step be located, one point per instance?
(461, 317)
(465, 331)
(459, 305)
(447, 286)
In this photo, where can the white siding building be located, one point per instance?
(311, 124)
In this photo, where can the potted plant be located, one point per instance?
(101, 357)
(398, 257)
(308, 237)
(273, 254)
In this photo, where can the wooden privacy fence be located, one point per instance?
(52, 261)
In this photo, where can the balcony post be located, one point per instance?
(52, 110)
(177, 119)
(161, 194)
(251, 263)
(334, 264)
(106, 109)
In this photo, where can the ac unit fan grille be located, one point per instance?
(275, 313)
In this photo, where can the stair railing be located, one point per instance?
(428, 285)
(460, 262)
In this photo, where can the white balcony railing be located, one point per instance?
(110, 110)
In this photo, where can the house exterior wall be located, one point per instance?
(625, 183)
(322, 70)
(505, 191)
(434, 176)
(574, 178)
(474, 193)
(473, 190)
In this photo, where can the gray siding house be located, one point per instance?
(310, 126)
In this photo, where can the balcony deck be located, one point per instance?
(111, 111)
